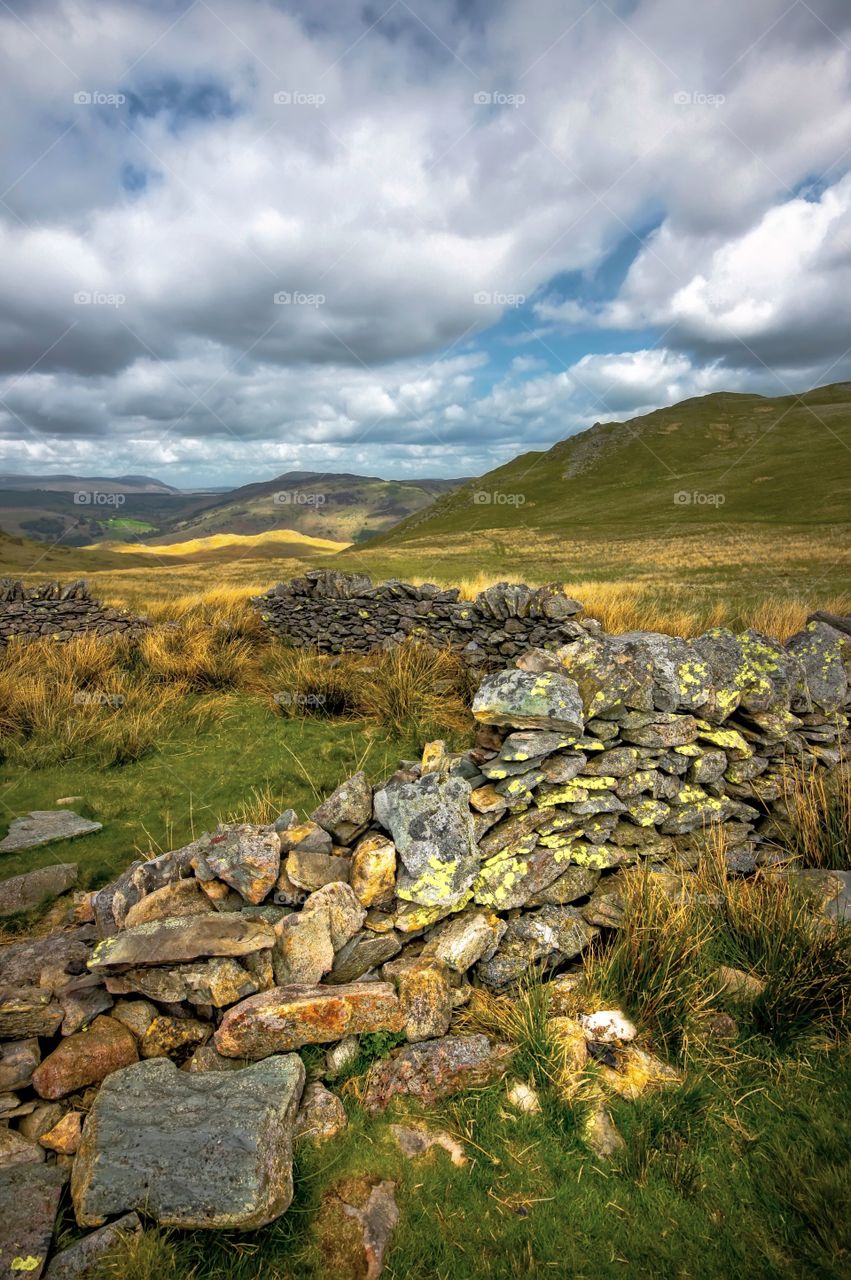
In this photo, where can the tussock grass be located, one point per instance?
(413, 689)
(819, 805)
(198, 655)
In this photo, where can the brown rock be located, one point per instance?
(41, 1120)
(246, 857)
(218, 982)
(309, 837)
(175, 940)
(425, 997)
(739, 987)
(436, 1069)
(85, 1058)
(313, 870)
(181, 898)
(28, 1011)
(135, 1014)
(288, 1017)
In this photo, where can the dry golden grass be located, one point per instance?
(819, 805)
(283, 538)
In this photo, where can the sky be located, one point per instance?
(241, 237)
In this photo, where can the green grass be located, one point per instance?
(250, 758)
(717, 1180)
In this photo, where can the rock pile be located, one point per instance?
(162, 1032)
(336, 612)
(61, 612)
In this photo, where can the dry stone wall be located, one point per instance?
(167, 1022)
(337, 612)
(53, 610)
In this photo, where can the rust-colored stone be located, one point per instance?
(286, 1018)
(85, 1058)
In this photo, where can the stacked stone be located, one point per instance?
(338, 612)
(60, 612)
(168, 1026)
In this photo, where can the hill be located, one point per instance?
(717, 458)
(78, 511)
(223, 546)
(343, 507)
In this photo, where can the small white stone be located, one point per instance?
(523, 1097)
(607, 1025)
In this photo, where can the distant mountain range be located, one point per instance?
(77, 511)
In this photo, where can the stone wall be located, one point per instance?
(53, 610)
(337, 612)
(388, 906)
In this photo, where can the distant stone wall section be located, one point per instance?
(61, 612)
(344, 612)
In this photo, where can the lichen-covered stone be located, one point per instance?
(424, 994)
(373, 870)
(321, 1115)
(313, 871)
(347, 812)
(174, 940)
(246, 857)
(541, 938)
(465, 939)
(29, 1203)
(821, 651)
(209, 1149)
(181, 898)
(524, 700)
(286, 1018)
(220, 981)
(432, 828)
(169, 1037)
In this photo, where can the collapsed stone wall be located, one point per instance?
(61, 612)
(344, 612)
(387, 907)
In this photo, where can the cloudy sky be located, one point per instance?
(408, 238)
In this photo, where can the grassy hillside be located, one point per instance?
(343, 508)
(227, 546)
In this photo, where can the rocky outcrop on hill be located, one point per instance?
(59, 612)
(379, 914)
(336, 612)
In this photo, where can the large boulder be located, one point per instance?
(526, 700)
(206, 1149)
(286, 1018)
(432, 827)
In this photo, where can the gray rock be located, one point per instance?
(435, 1069)
(525, 700)
(16, 1150)
(46, 962)
(83, 1260)
(43, 826)
(246, 857)
(28, 1011)
(18, 1061)
(34, 888)
(208, 1149)
(465, 939)
(365, 951)
(347, 812)
(29, 1202)
(432, 827)
(177, 939)
(542, 938)
(821, 649)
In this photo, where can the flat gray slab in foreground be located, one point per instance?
(43, 826)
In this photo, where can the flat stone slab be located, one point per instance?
(82, 1260)
(43, 826)
(180, 938)
(29, 1200)
(206, 1149)
(286, 1018)
(22, 893)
